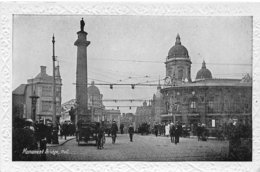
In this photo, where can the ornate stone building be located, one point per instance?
(144, 114)
(206, 100)
(42, 86)
(95, 104)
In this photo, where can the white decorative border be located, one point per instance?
(105, 8)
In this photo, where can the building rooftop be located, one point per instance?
(214, 82)
(178, 50)
(20, 90)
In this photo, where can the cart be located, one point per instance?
(86, 133)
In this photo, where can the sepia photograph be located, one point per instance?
(132, 88)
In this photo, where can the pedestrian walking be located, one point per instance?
(114, 130)
(167, 130)
(122, 128)
(100, 136)
(199, 131)
(204, 132)
(163, 129)
(178, 131)
(43, 131)
(156, 129)
(172, 132)
(131, 132)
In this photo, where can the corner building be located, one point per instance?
(42, 86)
(207, 100)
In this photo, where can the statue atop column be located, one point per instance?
(82, 24)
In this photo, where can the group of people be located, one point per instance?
(67, 128)
(35, 135)
(144, 128)
(170, 129)
(202, 132)
(28, 135)
(113, 131)
(160, 129)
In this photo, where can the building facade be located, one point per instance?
(144, 114)
(206, 100)
(95, 105)
(112, 115)
(95, 102)
(41, 86)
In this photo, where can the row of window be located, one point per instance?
(48, 92)
(47, 106)
(211, 107)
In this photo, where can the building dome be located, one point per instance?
(204, 73)
(178, 50)
(93, 90)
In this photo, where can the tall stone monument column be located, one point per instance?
(82, 75)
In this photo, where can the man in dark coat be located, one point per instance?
(49, 129)
(131, 132)
(114, 130)
(100, 135)
(199, 131)
(172, 132)
(72, 115)
(122, 128)
(178, 132)
(42, 137)
(65, 129)
(156, 130)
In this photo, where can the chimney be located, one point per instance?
(43, 69)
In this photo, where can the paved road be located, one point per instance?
(143, 148)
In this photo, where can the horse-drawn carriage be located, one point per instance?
(87, 132)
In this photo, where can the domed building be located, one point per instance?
(208, 100)
(95, 102)
(203, 73)
(178, 63)
(178, 50)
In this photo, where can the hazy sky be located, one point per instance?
(119, 43)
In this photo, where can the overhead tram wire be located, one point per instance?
(148, 61)
(120, 84)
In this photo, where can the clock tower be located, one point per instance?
(178, 64)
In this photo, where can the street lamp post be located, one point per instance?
(55, 129)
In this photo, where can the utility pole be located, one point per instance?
(55, 130)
